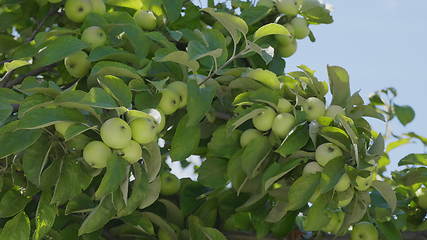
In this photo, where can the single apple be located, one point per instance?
(143, 130)
(283, 124)
(264, 120)
(265, 77)
(131, 153)
(343, 183)
(288, 7)
(116, 133)
(313, 108)
(364, 231)
(145, 19)
(169, 102)
(249, 135)
(344, 198)
(98, 6)
(77, 10)
(334, 110)
(326, 152)
(286, 39)
(61, 127)
(181, 89)
(422, 197)
(77, 64)
(335, 221)
(170, 184)
(301, 27)
(311, 168)
(288, 49)
(158, 117)
(96, 154)
(363, 183)
(284, 106)
(94, 36)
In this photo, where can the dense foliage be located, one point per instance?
(95, 96)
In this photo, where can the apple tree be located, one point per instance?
(96, 95)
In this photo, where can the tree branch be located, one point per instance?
(34, 72)
(52, 11)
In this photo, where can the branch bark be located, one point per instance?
(34, 72)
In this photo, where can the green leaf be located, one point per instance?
(339, 85)
(10, 66)
(99, 216)
(414, 159)
(213, 234)
(97, 97)
(223, 144)
(277, 170)
(75, 130)
(397, 143)
(405, 114)
(31, 102)
(253, 15)
(190, 196)
(9, 96)
(212, 172)
(173, 9)
(12, 202)
(80, 204)
(114, 54)
(270, 29)
(199, 102)
(114, 176)
(254, 155)
(18, 228)
(45, 215)
(117, 69)
(294, 141)
(389, 230)
(185, 140)
(138, 220)
(386, 191)
(179, 57)
(316, 218)
(234, 170)
(117, 88)
(162, 224)
(151, 193)
(337, 136)
(43, 117)
(5, 111)
(331, 174)
(302, 190)
(152, 161)
(55, 50)
(35, 158)
(134, 4)
(14, 142)
(316, 13)
(173, 213)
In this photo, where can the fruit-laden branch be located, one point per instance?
(34, 72)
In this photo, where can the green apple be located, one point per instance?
(263, 121)
(96, 154)
(170, 184)
(249, 135)
(363, 183)
(135, 114)
(116, 133)
(334, 110)
(143, 130)
(61, 127)
(326, 152)
(422, 197)
(300, 26)
(265, 77)
(163, 235)
(98, 6)
(78, 142)
(94, 36)
(335, 222)
(145, 19)
(286, 39)
(288, 7)
(132, 152)
(181, 89)
(283, 124)
(288, 49)
(343, 183)
(344, 198)
(158, 117)
(364, 231)
(77, 64)
(77, 10)
(169, 102)
(284, 106)
(311, 168)
(313, 108)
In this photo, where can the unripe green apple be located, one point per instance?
(77, 10)
(163, 235)
(116, 133)
(265, 77)
(326, 152)
(313, 108)
(143, 130)
(78, 142)
(170, 184)
(301, 27)
(181, 89)
(145, 19)
(61, 127)
(264, 120)
(286, 39)
(363, 183)
(94, 36)
(344, 198)
(169, 102)
(364, 231)
(98, 6)
(334, 110)
(335, 222)
(77, 64)
(284, 106)
(283, 124)
(311, 168)
(158, 117)
(288, 7)
(249, 135)
(96, 154)
(343, 183)
(422, 197)
(132, 152)
(288, 49)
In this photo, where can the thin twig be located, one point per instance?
(34, 72)
(52, 11)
